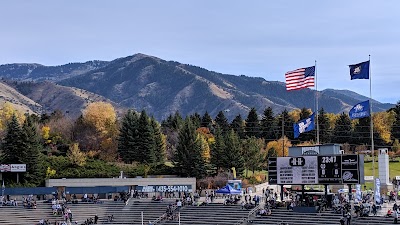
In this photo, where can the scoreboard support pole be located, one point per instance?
(326, 192)
(350, 192)
(282, 193)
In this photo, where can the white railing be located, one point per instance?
(248, 215)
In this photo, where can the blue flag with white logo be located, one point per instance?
(378, 191)
(304, 126)
(360, 110)
(359, 71)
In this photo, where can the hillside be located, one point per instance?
(69, 100)
(38, 72)
(19, 101)
(163, 87)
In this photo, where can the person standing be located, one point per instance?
(374, 209)
(96, 218)
(348, 218)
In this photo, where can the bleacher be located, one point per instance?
(212, 214)
(122, 214)
(282, 215)
(13, 215)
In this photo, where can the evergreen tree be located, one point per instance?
(167, 123)
(361, 134)
(188, 160)
(32, 149)
(325, 130)
(343, 131)
(146, 142)
(206, 120)
(268, 125)
(287, 125)
(217, 150)
(13, 146)
(128, 147)
(159, 146)
(252, 153)
(196, 120)
(252, 127)
(177, 121)
(238, 126)
(222, 121)
(233, 152)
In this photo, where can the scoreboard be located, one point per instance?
(317, 169)
(329, 170)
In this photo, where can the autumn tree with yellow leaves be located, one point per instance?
(6, 113)
(76, 156)
(97, 130)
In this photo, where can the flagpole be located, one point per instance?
(371, 125)
(316, 100)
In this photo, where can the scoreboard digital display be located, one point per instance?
(317, 169)
(329, 169)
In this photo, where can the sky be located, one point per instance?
(252, 38)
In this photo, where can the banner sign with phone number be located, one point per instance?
(165, 188)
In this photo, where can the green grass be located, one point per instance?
(394, 169)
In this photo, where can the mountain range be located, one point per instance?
(161, 88)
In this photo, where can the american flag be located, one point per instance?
(300, 78)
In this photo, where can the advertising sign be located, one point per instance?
(165, 188)
(297, 170)
(5, 168)
(18, 167)
(350, 173)
(12, 168)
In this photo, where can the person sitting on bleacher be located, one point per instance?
(110, 218)
(262, 212)
(389, 213)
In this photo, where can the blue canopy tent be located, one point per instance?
(228, 190)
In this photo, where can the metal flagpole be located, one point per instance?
(283, 135)
(142, 218)
(371, 125)
(316, 100)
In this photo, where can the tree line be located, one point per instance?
(99, 144)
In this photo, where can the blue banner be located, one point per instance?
(360, 110)
(378, 191)
(303, 126)
(358, 192)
